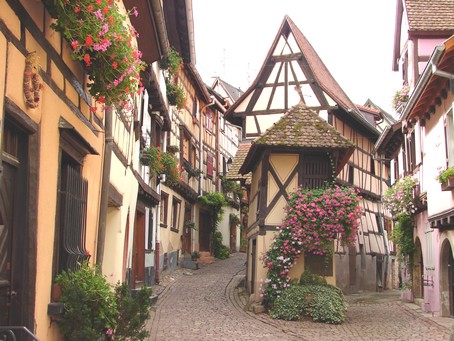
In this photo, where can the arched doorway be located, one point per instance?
(418, 271)
(446, 279)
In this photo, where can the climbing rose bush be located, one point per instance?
(398, 199)
(314, 219)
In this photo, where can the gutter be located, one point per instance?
(422, 82)
(105, 183)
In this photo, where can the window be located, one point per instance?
(351, 173)
(175, 213)
(372, 165)
(72, 197)
(188, 149)
(411, 152)
(449, 135)
(209, 121)
(163, 207)
(210, 165)
(150, 231)
(72, 191)
(318, 264)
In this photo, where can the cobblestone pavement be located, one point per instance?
(207, 304)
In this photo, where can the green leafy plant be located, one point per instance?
(195, 255)
(215, 201)
(190, 224)
(101, 39)
(220, 250)
(173, 149)
(323, 303)
(192, 172)
(173, 62)
(160, 162)
(175, 94)
(398, 198)
(133, 313)
(308, 278)
(229, 186)
(234, 219)
(402, 236)
(90, 306)
(444, 175)
(314, 219)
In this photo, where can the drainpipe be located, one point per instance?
(201, 144)
(105, 183)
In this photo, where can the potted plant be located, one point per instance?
(446, 179)
(401, 97)
(173, 149)
(192, 172)
(104, 44)
(195, 255)
(160, 162)
(175, 95)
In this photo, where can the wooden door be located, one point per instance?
(13, 228)
(138, 262)
(187, 232)
(451, 281)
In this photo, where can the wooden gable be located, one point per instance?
(291, 74)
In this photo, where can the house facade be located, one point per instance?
(418, 146)
(422, 149)
(294, 74)
(52, 161)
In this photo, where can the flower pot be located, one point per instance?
(448, 185)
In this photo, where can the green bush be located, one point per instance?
(220, 250)
(328, 305)
(291, 304)
(134, 311)
(308, 278)
(94, 309)
(322, 303)
(90, 305)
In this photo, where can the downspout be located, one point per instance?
(201, 144)
(105, 183)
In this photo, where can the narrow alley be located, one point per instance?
(207, 304)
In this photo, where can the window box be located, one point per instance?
(448, 185)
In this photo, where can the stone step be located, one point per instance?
(206, 257)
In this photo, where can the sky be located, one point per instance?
(354, 39)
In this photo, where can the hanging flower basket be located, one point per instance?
(104, 43)
(401, 97)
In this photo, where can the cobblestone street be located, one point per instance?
(206, 304)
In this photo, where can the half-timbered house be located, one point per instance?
(52, 157)
(292, 74)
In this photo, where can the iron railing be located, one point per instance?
(10, 333)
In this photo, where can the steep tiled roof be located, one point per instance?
(238, 160)
(324, 77)
(430, 15)
(302, 127)
(233, 92)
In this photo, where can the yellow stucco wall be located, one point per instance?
(46, 116)
(283, 164)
